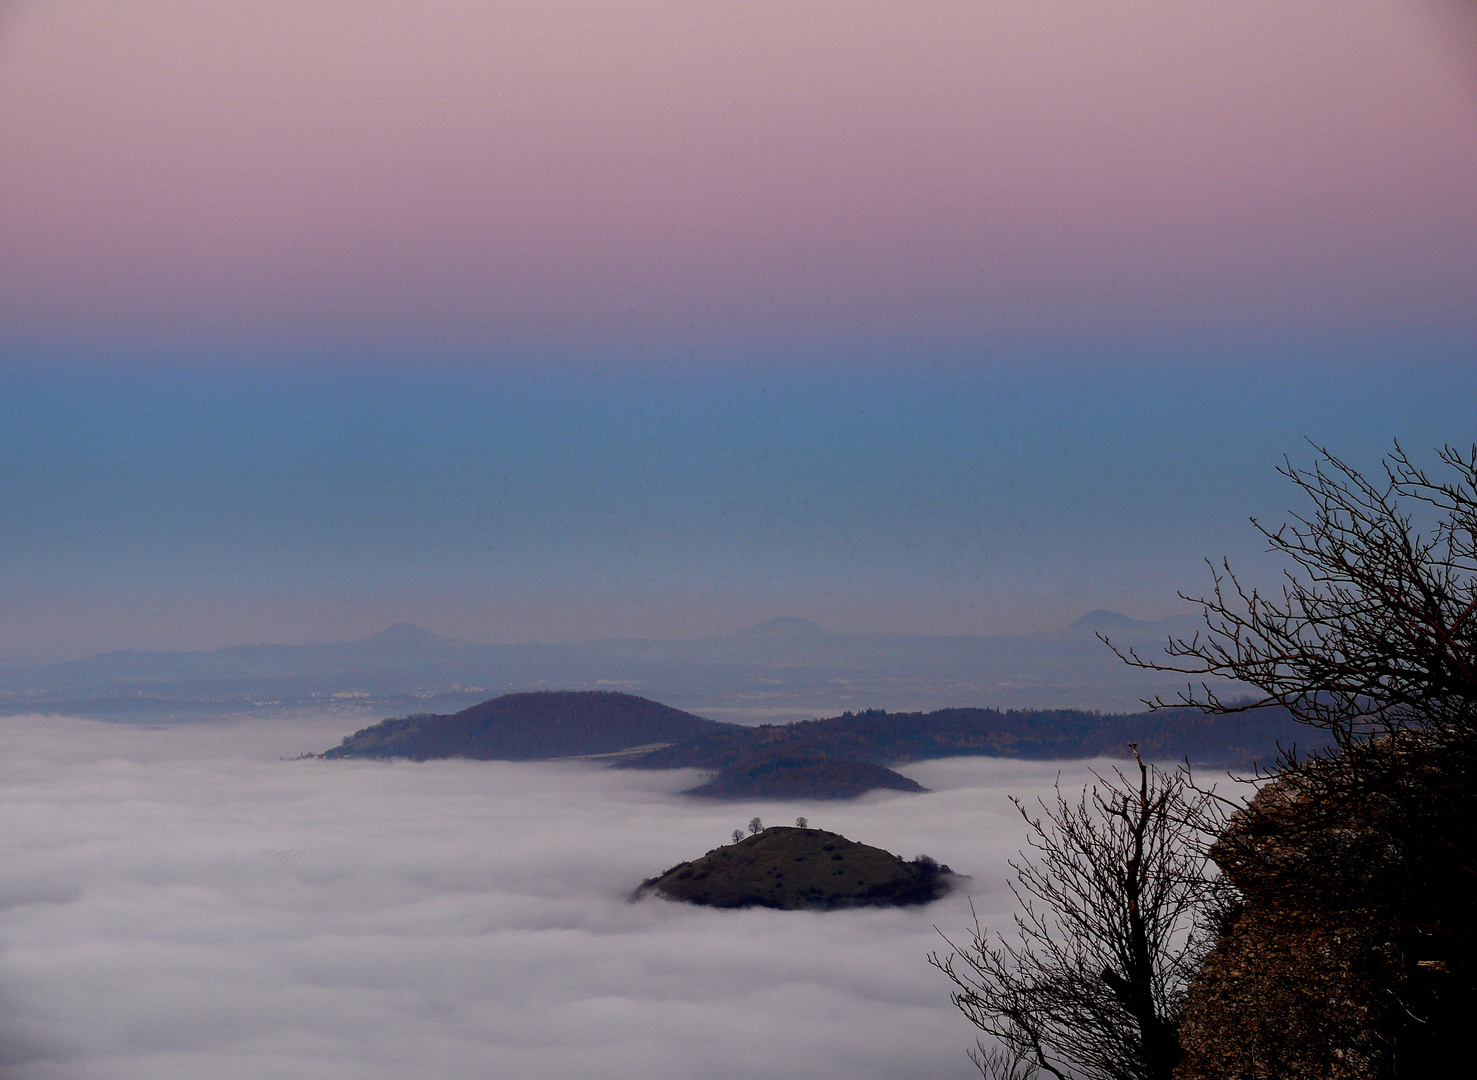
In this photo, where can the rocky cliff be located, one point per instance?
(1348, 952)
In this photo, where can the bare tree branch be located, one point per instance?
(1374, 629)
(1113, 896)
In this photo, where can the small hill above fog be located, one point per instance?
(801, 774)
(801, 868)
(524, 727)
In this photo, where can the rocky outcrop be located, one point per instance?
(1302, 981)
(1348, 952)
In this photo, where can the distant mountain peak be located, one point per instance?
(1103, 619)
(1111, 622)
(783, 627)
(404, 633)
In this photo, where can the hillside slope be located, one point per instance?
(524, 727)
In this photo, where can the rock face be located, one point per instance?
(524, 727)
(1350, 954)
(801, 868)
(1302, 982)
(797, 775)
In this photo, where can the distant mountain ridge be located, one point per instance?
(784, 627)
(786, 668)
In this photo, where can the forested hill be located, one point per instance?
(523, 727)
(892, 738)
(839, 757)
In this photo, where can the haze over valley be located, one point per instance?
(528, 532)
(457, 919)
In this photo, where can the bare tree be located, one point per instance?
(801, 823)
(1374, 629)
(1372, 632)
(738, 834)
(1114, 897)
(1372, 637)
(756, 826)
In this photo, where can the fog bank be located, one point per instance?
(181, 903)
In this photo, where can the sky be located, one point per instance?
(575, 319)
(451, 919)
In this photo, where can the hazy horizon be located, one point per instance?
(152, 510)
(568, 321)
(574, 322)
(786, 623)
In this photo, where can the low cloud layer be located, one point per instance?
(181, 903)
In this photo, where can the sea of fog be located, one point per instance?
(182, 903)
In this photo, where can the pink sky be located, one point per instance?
(185, 175)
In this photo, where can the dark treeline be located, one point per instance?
(885, 738)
